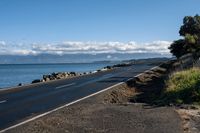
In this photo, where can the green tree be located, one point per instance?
(177, 48)
(191, 25)
(190, 31)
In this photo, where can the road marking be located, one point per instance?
(3, 101)
(68, 104)
(129, 68)
(63, 86)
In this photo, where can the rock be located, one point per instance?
(108, 67)
(42, 80)
(78, 74)
(104, 69)
(36, 81)
(20, 84)
(94, 71)
(46, 79)
(122, 65)
(98, 70)
(72, 74)
(60, 75)
(45, 76)
(52, 77)
(53, 74)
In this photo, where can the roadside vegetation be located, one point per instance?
(182, 88)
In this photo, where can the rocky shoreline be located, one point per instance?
(65, 75)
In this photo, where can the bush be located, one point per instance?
(183, 88)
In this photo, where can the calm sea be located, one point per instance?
(13, 74)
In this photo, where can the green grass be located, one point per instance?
(182, 88)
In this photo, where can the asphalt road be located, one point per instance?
(21, 103)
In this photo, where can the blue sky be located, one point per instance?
(55, 21)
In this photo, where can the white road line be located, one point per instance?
(3, 101)
(129, 68)
(63, 86)
(66, 105)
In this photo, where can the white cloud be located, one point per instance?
(2, 43)
(89, 47)
(23, 52)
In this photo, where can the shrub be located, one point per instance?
(183, 88)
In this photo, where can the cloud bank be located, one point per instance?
(90, 47)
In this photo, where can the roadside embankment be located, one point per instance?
(178, 87)
(116, 110)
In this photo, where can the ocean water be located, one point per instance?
(13, 74)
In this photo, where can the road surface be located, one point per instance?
(21, 103)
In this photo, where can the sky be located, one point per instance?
(91, 26)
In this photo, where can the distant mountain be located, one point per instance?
(73, 58)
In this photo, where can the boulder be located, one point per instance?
(36, 81)
(43, 80)
(20, 84)
(46, 79)
(72, 74)
(52, 77)
(108, 67)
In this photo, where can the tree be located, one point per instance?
(191, 25)
(190, 31)
(178, 48)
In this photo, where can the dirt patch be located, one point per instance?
(191, 119)
(149, 85)
(120, 95)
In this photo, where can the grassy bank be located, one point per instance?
(182, 88)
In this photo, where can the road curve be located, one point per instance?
(21, 103)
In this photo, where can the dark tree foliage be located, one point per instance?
(190, 30)
(191, 25)
(177, 48)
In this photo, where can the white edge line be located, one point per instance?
(66, 105)
(67, 85)
(3, 101)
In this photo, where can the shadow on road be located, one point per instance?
(114, 80)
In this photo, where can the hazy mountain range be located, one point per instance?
(74, 58)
